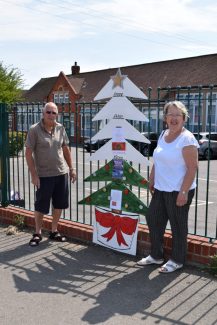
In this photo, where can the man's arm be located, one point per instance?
(32, 169)
(68, 159)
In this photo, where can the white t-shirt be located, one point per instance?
(169, 163)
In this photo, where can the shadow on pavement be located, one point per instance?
(108, 284)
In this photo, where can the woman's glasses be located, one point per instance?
(50, 112)
(174, 115)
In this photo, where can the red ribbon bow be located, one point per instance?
(117, 225)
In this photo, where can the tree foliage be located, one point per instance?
(10, 84)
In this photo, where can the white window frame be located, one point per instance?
(61, 97)
(191, 101)
(214, 108)
(86, 116)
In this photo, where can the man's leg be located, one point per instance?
(60, 199)
(36, 237)
(56, 217)
(54, 234)
(42, 203)
(38, 222)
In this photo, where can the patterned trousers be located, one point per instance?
(163, 208)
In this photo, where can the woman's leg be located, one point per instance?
(157, 221)
(178, 217)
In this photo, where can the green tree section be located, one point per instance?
(10, 84)
(130, 202)
(130, 177)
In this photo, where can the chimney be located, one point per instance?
(75, 69)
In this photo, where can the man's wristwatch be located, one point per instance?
(184, 193)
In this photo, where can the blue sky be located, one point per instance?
(43, 37)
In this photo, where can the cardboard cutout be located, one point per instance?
(120, 84)
(120, 107)
(116, 231)
(130, 202)
(130, 175)
(130, 132)
(131, 154)
(117, 208)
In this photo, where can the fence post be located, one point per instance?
(4, 156)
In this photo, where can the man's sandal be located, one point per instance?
(36, 238)
(57, 236)
(149, 260)
(170, 266)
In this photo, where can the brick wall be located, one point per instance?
(199, 248)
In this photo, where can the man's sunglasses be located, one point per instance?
(49, 112)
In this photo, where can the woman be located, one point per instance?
(172, 184)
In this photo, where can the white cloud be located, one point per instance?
(45, 20)
(169, 16)
(43, 37)
(20, 20)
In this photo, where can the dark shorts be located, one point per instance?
(55, 188)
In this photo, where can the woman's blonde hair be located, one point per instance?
(179, 105)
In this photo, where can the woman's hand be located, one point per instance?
(151, 187)
(182, 198)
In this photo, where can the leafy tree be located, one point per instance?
(10, 84)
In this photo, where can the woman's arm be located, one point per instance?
(151, 180)
(190, 155)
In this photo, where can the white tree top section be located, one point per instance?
(129, 131)
(120, 107)
(120, 84)
(131, 154)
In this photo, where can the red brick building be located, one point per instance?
(66, 90)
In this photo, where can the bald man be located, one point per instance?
(49, 161)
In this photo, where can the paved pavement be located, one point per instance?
(70, 283)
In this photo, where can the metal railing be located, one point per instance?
(15, 182)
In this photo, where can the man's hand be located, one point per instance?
(36, 181)
(72, 175)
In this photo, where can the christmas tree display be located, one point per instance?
(117, 208)
(112, 170)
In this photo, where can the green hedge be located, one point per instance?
(16, 142)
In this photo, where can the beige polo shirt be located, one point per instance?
(47, 149)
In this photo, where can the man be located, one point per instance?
(49, 159)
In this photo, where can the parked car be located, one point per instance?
(91, 145)
(145, 148)
(208, 144)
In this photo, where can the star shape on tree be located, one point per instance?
(118, 79)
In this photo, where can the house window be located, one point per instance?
(26, 116)
(211, 113)
(68, 121)
(155, 117)
(10, 122)
(194, 105)
(88, 127)
(61, 97)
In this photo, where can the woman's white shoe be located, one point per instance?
(170, 266)
(149, 260)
